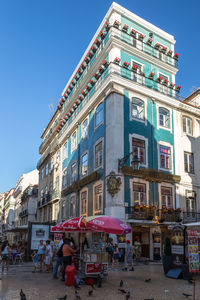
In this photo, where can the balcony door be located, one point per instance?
(191, 205)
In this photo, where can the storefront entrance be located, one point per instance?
(141, 234)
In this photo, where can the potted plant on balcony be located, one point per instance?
(96, 75)
(88, 87)
(107, 26)
(163, 49)
(126, 65)
(90, 54)
(157, 46)
(125, 28)
(133, 33)
(149, 41)
(80, 71)
(87, 59)
(165, 82)
(136, 207)
(91, 81)
(176, 56)
(101, 69)
(167, 257)
(151, 75)
(134, 68)
(94, 48)
(80, 97)
(172, 85)
(97, 42)
(105, 63)
(159, 79)
(169, 53)
(177, 89)
(116, 24)
(141, 36)
(117, 60)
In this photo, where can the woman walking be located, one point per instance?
(67, 256)
(5, 254)
(41, 254)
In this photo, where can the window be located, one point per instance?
(63, 209)
(99, 155)
(83, 204)
(165, 157)
(51, 164)
(139, 193)
(46, 190)
(42, 194)
(46, 169)
(191, 205)
(50, 213)
(58, 157)
(73, 172)
(73, 141)
(139, 150)
(189, 162)
(98, 198)
(85, 128)
(166, 196)
(137, 109)
(42, 174)
(187, 125)
(84, 164)
(57, 184)
(99, 115)
(137, 75)
(164, 117)
(72, 206)
(65, 150)
(64, 181)
(162, 88)
(51, 187)
(56, 211)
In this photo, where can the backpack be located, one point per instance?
(60, 252)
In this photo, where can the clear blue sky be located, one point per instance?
(42, 41)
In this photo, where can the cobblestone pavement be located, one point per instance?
(41, 286)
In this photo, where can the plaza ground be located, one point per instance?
(41, 286)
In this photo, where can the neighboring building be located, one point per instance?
(8, 208)
(2, 219)
(120, 105)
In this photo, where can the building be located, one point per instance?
(120, 107)
(8, 215)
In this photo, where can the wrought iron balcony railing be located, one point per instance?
(190, 217)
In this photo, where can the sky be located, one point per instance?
(41, 43)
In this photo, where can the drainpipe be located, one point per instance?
(152, 138)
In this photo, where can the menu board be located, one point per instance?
(193, 250)
(177, 241)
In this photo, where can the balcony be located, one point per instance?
(191, 217)
(23, 213)
(55, 195)
(168, 215)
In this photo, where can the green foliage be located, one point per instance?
(167, 246)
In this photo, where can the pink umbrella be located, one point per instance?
(107, 224)
(58, 228)
(75, 224)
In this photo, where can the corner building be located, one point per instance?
(120, 99)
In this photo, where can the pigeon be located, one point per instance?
(187, 295)
(90, 293)
(128, 295)
(122, 291)
(121, 283)
(63, 298)
(77, 295)
(99, 282)
(22, 295)
(148, 280)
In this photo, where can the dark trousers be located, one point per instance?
(66, 260)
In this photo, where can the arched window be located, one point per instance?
(137, 109)
(164, 117)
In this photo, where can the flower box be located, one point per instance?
(134, 68)
(94, 48)
(125, 28)
(126, 64)
(172, 85)
(141, 37)
(83, 65)
(149, 41)
(177, 89)
(157, 46)
(107, 26)
(80, 71)
(96, 75)
(102, 34)
(165, 82)
(151, 75)
(117, 60)
(87, 59)
(88, 87)
(101, 69)
(159, 79)
(90, 54)
(92, 83)
(116, 24)
(133, 32)
(176, 56)
(105, 63)
(97, 42)
(169, 53)
(84, 92)
(163, 49)
(80, 97)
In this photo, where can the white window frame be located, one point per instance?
(64, 178)
(131, 110)
(84, 137)
(83, 175)
(70, 200)
(161, 143)
(97, 142)
(168, 185)
(65, 150)
(73, 147)
(161, 87)
(96, 126)
(187, 118)
(140, 78)
(158, 118)
(140, 137)
(100, 182)
(141, 181)
(71, 180)
(188, 165)
(82, 191)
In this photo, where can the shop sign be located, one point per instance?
(92, 268)
(38, 232)
(177, 242)
(193, 250)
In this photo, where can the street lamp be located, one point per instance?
(135, 163)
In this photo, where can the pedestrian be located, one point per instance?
(5, 254)
(110, 250)
(137, 247)
(35, 260)
(116, 257)
(41, 254)
(48, 256)
(57, 262)
(67, 256)
(128, 256)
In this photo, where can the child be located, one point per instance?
(35, 260)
